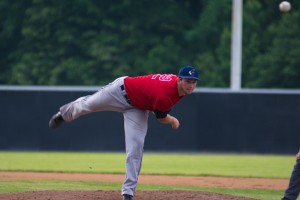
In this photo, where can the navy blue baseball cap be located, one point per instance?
(188, 72)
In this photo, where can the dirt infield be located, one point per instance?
(115, 195)
(222, 182)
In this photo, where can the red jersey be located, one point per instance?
(153, 92)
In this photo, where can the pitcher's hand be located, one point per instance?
(175, 123)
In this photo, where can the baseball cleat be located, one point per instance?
(127, 197)
(56, 120)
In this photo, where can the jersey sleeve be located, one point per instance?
(160, 114)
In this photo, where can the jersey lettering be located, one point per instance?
(163, 77)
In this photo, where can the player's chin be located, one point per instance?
(188, 92)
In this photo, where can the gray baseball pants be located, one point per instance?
(111, 98)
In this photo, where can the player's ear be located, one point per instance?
(178, 80)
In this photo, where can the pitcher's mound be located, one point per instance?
(115, 195)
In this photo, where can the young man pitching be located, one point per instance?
(134, 97)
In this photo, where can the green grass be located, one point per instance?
(63, 162)
(38, 185)
(270, 166)
(263, 166)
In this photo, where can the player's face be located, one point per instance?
(186, 86)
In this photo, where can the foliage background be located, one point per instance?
(90, 42)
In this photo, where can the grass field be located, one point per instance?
(262, 166)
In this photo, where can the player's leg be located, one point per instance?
(108, 98)
(136, 125)
(292, 192)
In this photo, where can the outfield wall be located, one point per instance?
(212, 120)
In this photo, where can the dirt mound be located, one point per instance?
(221, 182)
(115, 195)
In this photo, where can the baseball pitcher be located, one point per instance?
(134, 97)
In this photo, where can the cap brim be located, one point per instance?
(188, 77)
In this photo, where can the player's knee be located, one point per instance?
(134, 153)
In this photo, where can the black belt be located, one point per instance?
(125, 95)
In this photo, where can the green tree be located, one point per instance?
(270, 44)
(279, 66)
(209, 43)
(53, 50)
(11, 18)
(89, 42)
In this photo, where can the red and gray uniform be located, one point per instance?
(155, 92)
(134, 97)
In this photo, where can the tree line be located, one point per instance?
(91, 42)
